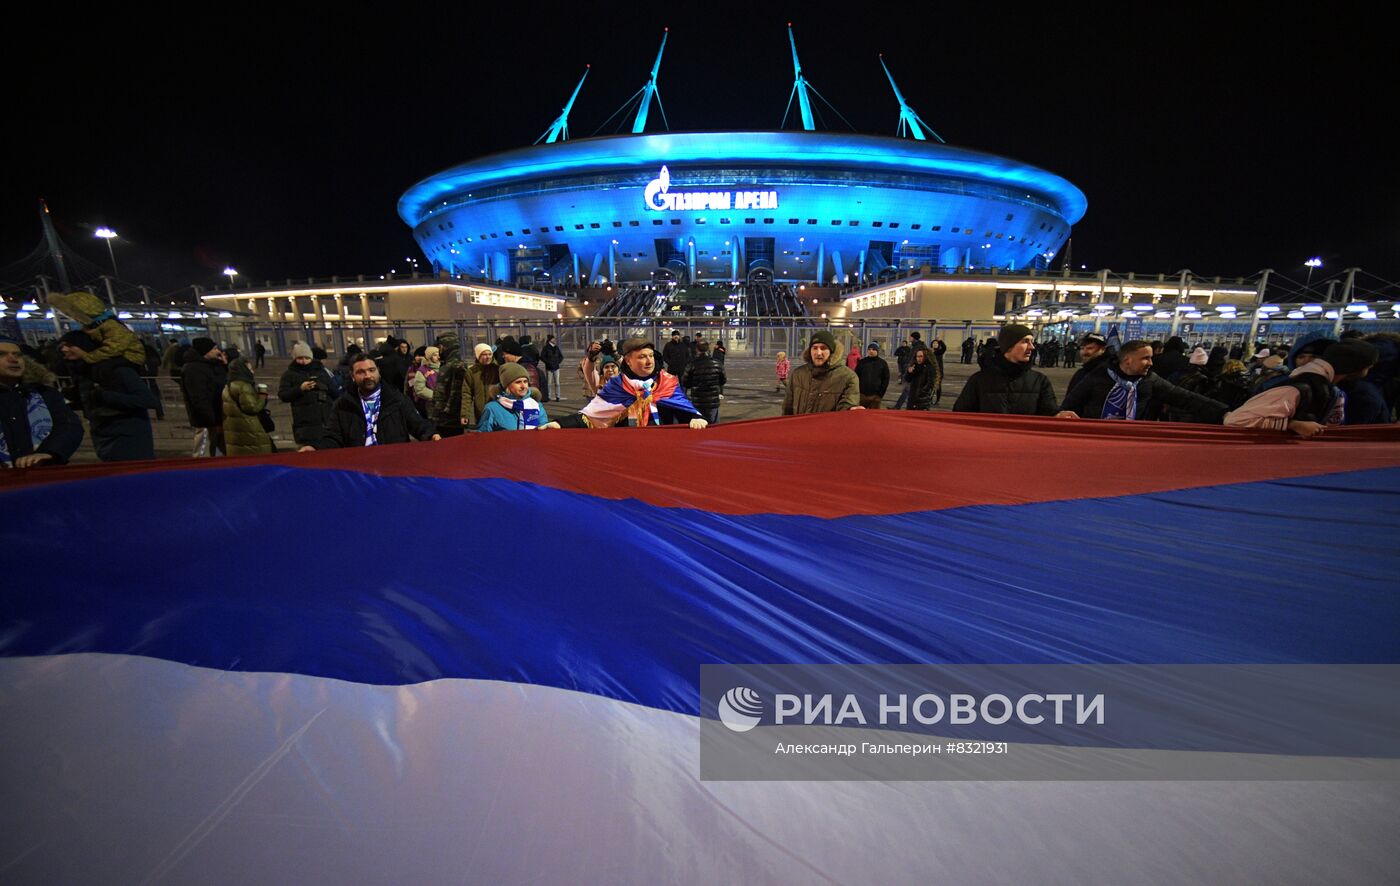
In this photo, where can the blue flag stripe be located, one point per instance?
(285, 570)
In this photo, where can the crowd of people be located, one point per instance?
(1319, 383)
(395, 393)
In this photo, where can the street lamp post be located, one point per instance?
(109, 235)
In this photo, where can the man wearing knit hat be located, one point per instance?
(203, 380)
(1008, 385)
(823, 383)
(512, 351)
(1309, 401)
(676, 354)
(873, 374)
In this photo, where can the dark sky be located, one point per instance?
(281, 145)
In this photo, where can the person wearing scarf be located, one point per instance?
(1124, 388)
(514, 408)
(643, 393)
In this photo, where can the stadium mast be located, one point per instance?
(55, 247)
(559, 129)
(650, 90)
(799, 86)
(910, 123)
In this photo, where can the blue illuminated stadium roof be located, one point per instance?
(788, 149)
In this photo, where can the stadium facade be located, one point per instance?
(738, 207)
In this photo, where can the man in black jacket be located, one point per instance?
(552, 358)
(1094, 352)
(1007, 384)
(902, 355)
(394, 364)
(874, 375)
(203, 380)
(702, 382)
(675, 355)
(1172, 364)
(1127, 389)
(371, 414)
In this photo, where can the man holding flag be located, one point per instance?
(643, 394)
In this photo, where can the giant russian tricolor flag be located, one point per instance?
(478, 660)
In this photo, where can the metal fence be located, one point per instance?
(751, 336)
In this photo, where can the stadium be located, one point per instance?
(737, 207)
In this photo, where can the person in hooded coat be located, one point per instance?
(446, 412)
(243, 406)
(822, 383)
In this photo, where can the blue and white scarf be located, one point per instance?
(371, 406)
(1121, 402)
(525, 409)
(40, 425)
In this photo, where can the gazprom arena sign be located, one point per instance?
(660, 198)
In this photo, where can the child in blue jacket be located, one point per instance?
(514, 408)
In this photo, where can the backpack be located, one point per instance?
(1316, 397)
(1233, 391)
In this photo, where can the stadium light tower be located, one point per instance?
(230, 273)
(1312, 264)
(109, 235)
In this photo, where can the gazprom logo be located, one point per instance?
(740, 709)
(659, 197)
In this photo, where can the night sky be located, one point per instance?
(281, 146)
